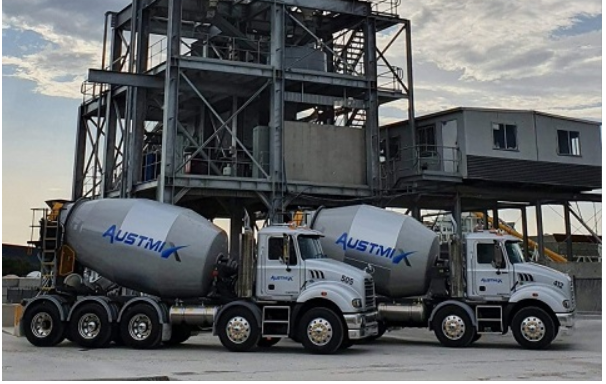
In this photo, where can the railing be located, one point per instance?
(386, 7)
(418, 159)
(211, 161)
(390, 78)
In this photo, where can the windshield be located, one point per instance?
(310, 247)
(514, 252)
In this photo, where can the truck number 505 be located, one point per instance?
(347, 279)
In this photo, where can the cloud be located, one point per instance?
(542, 54)
(68, 41)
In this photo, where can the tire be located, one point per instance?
(533, 328)
(238, 330)
(321, 331)
(179, 334)
(266, 342)
(42, 324)
(140, 327)
(476, 337)
(453, 327)
(347, 343)
(89, 326)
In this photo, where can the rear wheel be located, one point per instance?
(321, 331)
(453, 327)
(42, 324)
(180, 333)
(533, 328)
(90, 327)
(238, 330)
(140, 327)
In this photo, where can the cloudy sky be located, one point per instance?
(542, 54)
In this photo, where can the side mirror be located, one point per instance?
(286, 251)
(498, 261)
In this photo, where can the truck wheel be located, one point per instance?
(453, 327)
(42, 324)
(140, 327)
(347, 343)
(238, 330)
(321, 331)
(180, 333)
(533, 328)
(90, 327)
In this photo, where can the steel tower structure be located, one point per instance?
(196, 102)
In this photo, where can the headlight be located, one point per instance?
(566, 304)
(357, 303)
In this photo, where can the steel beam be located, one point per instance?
(373, 175)
(124, 78)
(171, 105)
(79, 155)
(314, 99)
(569, 254)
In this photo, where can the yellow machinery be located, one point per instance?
(548, 252)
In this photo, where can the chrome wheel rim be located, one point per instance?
(140, 327)
(453, 327)
(89, 326)
(42, 325)
(532, 328)
(238, 330)
(319, 331)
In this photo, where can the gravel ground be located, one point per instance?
(411, 354)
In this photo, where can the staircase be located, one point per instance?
(350, 53)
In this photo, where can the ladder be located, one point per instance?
(49, 243)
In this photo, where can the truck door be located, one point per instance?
(281, 280)
(491, 277)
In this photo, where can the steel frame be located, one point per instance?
(171, 93)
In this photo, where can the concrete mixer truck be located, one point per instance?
(144, 273)
(488, 288)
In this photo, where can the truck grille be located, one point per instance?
(369, 293)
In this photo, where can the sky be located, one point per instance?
(544, 55)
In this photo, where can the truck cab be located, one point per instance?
(291, 267)
(498, 273)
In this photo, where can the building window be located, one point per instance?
(426, 140)
(504, 136)
(569, 143)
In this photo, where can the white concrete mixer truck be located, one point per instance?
(490, 289)
(145, 273)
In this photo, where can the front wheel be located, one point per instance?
(42, 324)
(321, 331)
(238, 330)
(533, 328)
(453, 327)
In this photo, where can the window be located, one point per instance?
(426, 139)
(569, 143)
(504, 136)
(274, 251)
(485, 253)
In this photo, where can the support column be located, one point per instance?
(165, 192)
(540, 241)
(373, 178)
(235, 228)
(457, 260)
(525, 233)
(416, 212)
(569, 254)
(139, 101)
(485, 219)
(111, 117)
(495, 216)
(276, 117)
(409, 79)
(80, 153)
